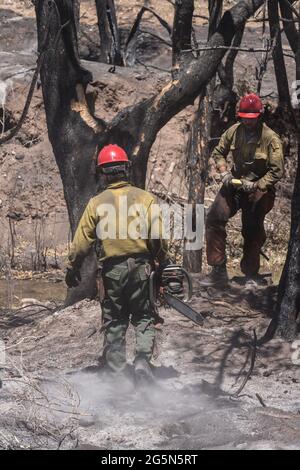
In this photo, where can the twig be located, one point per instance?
(228, 48)
(152, 67)
(167, 198)
(156, 36)
(292, 8)
(261, 20)
(22, 72)
(22, 340)
(260, 400)
(253, 357)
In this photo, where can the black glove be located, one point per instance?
(160, 269)
(73, 277)
(249, 186)
(227, 177)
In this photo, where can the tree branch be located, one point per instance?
(182, 30)
(232, 54)
(131, 42)
(289, 27)
(289, 5)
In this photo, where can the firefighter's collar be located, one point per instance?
(119, 184)
(257, 134)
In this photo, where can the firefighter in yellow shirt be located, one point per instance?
(258, 163)
(128, 223)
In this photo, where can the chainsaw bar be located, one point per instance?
(184, 308)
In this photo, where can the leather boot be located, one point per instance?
(218, 277)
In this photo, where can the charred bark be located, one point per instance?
(215, 8)
(287, 323)
(110, 47)
(288, 306)
(75, 133)
(278, 59)
(196, 172)
(182, 31)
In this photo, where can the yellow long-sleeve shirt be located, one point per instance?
(127, 221)
(260, 158)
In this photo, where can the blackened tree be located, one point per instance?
(76, 133)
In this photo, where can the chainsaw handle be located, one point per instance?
(190, 284)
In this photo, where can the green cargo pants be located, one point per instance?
(126, 286)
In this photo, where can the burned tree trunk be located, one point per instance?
(216, 111)
(288, 307)
(196, 173)
(110, 47)
(215, 8)
(182, 32)
(288, 304)
(279, 63)
(75, 133)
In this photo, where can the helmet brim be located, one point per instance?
(113, 162)
(249, 115)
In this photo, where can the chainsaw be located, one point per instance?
(170, 292)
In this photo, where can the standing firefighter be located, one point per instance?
(128, 224)
(258, 163)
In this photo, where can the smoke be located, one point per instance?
(114, 411)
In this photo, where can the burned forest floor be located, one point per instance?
(214, 388)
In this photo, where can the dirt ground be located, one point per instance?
(54, 394)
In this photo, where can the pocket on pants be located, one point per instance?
(113, 274)
(144, 271)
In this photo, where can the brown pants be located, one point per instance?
(254, 207)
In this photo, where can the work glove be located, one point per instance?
(160, 269)
(227, 177)
(73, 277)
(249, 186)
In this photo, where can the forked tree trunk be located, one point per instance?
(75, 133)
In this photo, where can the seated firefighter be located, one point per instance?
(250, 186)
(115, 217)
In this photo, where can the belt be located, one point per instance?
(142, 257)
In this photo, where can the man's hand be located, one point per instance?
(227, 177)
(73, 277)
(249, 186)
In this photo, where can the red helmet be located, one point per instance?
(250, 106)
(111, 154)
